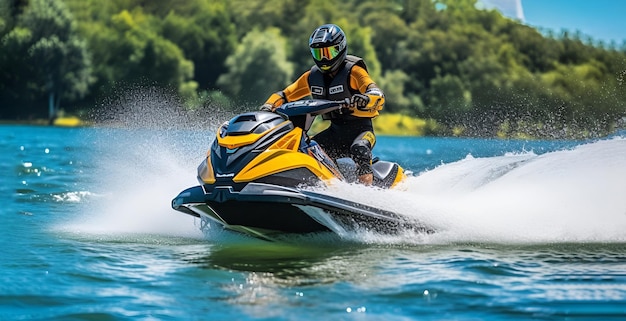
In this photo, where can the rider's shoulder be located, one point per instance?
(356, 61)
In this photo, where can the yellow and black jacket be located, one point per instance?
(353, 78)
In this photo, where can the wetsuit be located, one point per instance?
(350, 134)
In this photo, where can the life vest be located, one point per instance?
(339, 86)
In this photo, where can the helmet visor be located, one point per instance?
(327, 52)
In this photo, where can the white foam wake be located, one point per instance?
(576, 195)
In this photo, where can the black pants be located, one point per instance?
(352, 138)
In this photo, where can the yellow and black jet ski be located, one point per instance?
(254, 179)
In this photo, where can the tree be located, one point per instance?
(396, 99)
(129, 51)
(258, 67)
(206, 37)
(442, 58)
(44, 54)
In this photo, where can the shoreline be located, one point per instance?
(71, 121)
(405, 126)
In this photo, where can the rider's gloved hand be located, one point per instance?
(266, 107)
(359, 101)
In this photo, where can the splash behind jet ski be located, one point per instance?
(258, 174)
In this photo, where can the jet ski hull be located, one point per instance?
(266, 210)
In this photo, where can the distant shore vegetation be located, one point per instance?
(447, 67)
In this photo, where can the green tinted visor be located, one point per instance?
(327, 52)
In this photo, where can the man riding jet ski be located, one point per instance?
(258, 174)
(339, 76)
(255, 177)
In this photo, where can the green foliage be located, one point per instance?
(206, 35)
(448, 95)
(258, 67)
(393, 81)
(43, 57)
(473, 70)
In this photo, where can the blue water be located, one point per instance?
(527, 230)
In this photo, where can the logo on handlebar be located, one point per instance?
(297, 103)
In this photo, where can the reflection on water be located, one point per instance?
(270, 277)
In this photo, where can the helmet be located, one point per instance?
(328, 47)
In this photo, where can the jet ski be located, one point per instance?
(263, 173)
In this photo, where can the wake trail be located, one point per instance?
(575, 195)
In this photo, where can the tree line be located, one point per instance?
(472, 70)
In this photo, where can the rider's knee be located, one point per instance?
(362, 156)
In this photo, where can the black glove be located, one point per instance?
(266, 107)
(359, 101)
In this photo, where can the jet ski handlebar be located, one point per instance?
(312, 107)
(303, 112)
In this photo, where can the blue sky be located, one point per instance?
(601, 19)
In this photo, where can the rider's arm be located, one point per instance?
(297, 90)
(361, 80)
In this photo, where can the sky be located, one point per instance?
(601, 19)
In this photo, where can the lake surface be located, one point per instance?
(526, 230)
